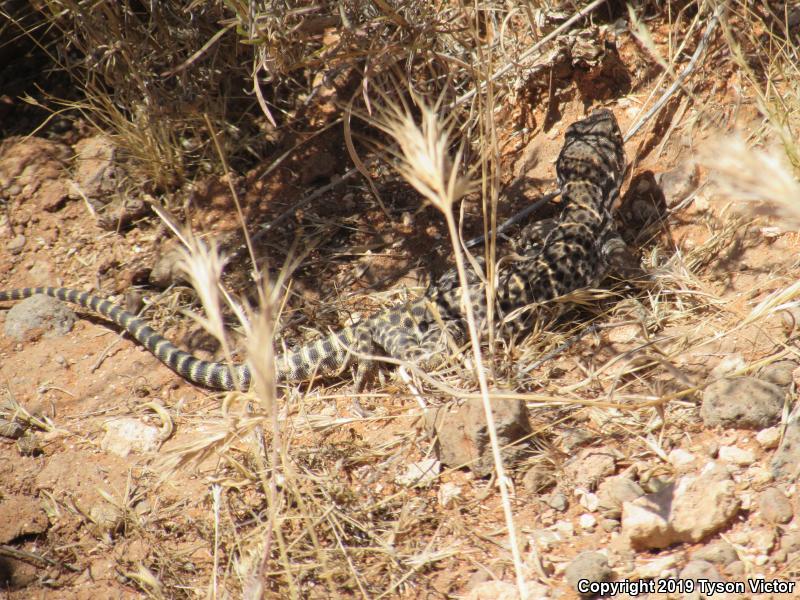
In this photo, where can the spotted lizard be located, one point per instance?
(574, 253)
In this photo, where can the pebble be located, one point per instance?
(16, 244)
(780, 373)
(689, 510)
(787, 457)
(420, 474)
(588, 565)
(680, 458)
(742, 403)
(774, 506)
(719, 553)
(557, 501)
(613, 492)
(127, 435)
(737, 456)
(462, 437)
(587, 521)
(30, 317)
(769, 438)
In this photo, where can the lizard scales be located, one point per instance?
(570, 256)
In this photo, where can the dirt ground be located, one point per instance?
(178, 505)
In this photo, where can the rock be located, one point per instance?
(128, 435)
(545, 539)
(95, 173)
(609, 525)
(678, 183)
(494, 590)
(589, 467)
(719, 553)
(787, 457)
(769, 438)
(737, 456)
(700, 569)
(774, 506)
(591, 566)
(737, 569)
(728, 366)
(16, 244)
(448, 494)
(613, 492)
(26, 163)
(52, 194)
(680, 458)
(761, 539)
(573, 439)
(557, 501)
(689, 511)
(118, 214)
(780, 373)
(537, 479)
(587, 522)
(662, 567)
(790, 542)
(20, 516)
(37, 315)
(742, 402)
(420, 474)
(463, 439)
(106, 519)
(167, 271)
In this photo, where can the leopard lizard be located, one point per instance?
(573, 254)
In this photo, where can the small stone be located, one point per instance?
(127, 435)
(742, 403)
(700, 569)
(588, 565)
(787, 457)
(680, 458)
(489, 590)
(545, 539)
(737, 456)
(687, 511)
(774, 506)
(736, 569)
(712, 449)
(657, 568)
(756, 540)
(790, 542)
(494, 590)
(779, 373)
(28, 319)
(448, 494)
(728, 365)
(613, 492)
(462, 436)
(587, 500)
(590, 467)
(587, 521)
(609, 525)
(758, 475)
(719, 553)
(678, 183)
(420, 474)
(565, 528)
(557, 501)
(537, 479)
(769, 438)
(16, 244)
